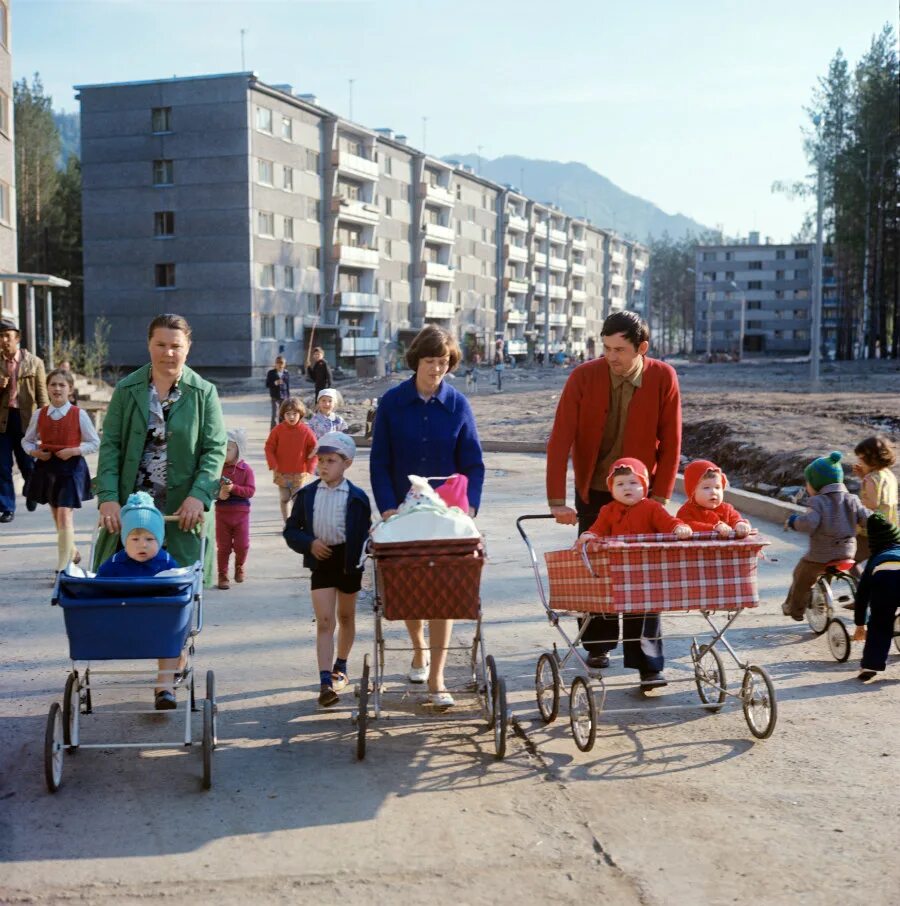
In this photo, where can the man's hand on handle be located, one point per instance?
(564, 515)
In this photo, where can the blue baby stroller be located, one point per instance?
(110, 619)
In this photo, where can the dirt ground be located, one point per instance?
(760, 419)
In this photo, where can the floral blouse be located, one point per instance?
(151, 473)
(322, 424)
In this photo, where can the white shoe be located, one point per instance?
(442, 700)
(417, 674)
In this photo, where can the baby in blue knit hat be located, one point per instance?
(143, 531)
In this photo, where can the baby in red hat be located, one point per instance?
(631, 511)
(705, 509)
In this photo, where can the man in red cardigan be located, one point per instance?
(623, 404)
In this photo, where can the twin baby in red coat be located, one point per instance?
(631, 512)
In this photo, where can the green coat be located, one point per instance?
(195, 456)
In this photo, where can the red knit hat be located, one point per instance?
(694, 472)
(636, 466)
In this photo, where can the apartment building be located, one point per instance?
(761, 292)
(273, 224)
(9, 306)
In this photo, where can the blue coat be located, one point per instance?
(121, 566)
(413, 437)
(298, 530)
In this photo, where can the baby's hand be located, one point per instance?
(859, 634)
(742, 529)
(583, 539)
(683, 532)
(723, 529)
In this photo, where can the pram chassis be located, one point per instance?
(588, 690)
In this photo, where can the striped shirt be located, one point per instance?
(330, 513)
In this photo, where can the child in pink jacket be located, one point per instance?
(237, 486)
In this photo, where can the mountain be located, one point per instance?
(582, 192)
(69, 127)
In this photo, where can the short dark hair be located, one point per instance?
(631, 325)
(433, 342)
(876, 451)
(169, 322)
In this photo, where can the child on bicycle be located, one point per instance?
(329, 524)
(878, 489)
(705, 509)
(831, 520)
(879, 594)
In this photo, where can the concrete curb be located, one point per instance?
(745, 502)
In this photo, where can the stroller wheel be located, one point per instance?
(546, 687)
(71, 709)
(211, 696)
(53, 748)
(582, 714)
(207, 743)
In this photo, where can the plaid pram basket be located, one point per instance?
(429, 580)
(652, 573)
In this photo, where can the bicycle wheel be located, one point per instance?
(582, 714)
(546, 687)
(818, 611)
(838, 640)
(760, 706)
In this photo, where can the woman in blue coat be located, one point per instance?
(426, 427)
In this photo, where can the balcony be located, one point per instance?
(351, 301)
(579, 269)
(540, 289)
(354, 165)
(540, 259)
(516, 347)
(558, 292)
(579, 295)
(436, 232)
(515, 252)
(617, 256)
(354, 211)
(442, 310)
(637, 285)
(540, 229)
(516, 224)
(560, 236)
(579, 321)
(514, 285)
(516, 316)
(437, 194)
(356, 255)
(580, 243)
(359, 346)
(558, 264)
(432, 270)
(558, 319)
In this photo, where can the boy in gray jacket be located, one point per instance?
(831, 521)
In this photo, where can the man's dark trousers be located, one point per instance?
(11, 446)
(642, 636)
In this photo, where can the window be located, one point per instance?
(267, 277)
(709, 256)
(165, 276)
(163, 173)
(164, 223)
(4, 202)
(161, 119)
(350, 235)
(800, 313)
(313, 303)
(287, 179)
(265, 172)
(729, 275)
(264, 119)
(801, 293)
(388, 248)
(288, 232)
(288, 277)
(313, 208)
(352, 191)
(753, 306)
(729, 256)
(267, 327)
(312, 160)
(312, 257)
(779, 255)
(265, 223)
(287, 131)
(779, 293)
(387, 206)
(289, 327)
(779, 275)
(459, 192)
(4, 112)
(4, 25)
(801, 253)
(754, 266)
(754, 284)
(387, 164)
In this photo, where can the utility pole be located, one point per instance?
(243, 65)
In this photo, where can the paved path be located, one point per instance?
(669, 807)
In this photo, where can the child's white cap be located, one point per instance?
(337, 442)
(330, 391)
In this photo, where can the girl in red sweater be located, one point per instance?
(631, 511)
(290, 451)
(705, 509)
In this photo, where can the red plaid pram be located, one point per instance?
(651, 573)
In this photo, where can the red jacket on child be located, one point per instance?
(703, 519)
(645, 517)
(291, 448)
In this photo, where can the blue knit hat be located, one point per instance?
(825, 470)
(140, 512)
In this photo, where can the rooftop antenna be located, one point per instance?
(243, 64)
(350, 83)
(424, 132)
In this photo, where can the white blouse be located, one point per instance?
(90, 440)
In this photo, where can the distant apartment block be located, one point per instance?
(771, 284)
(8, 249)
(270, 223)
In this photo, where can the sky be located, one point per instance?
(695, 105)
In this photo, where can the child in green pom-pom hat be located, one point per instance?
(831, 520)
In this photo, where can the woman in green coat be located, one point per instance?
(163, 434)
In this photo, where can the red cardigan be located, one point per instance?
(291, 448)
(703, 519)
(652, 428)
(644, 517)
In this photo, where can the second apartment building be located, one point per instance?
(271, 223)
